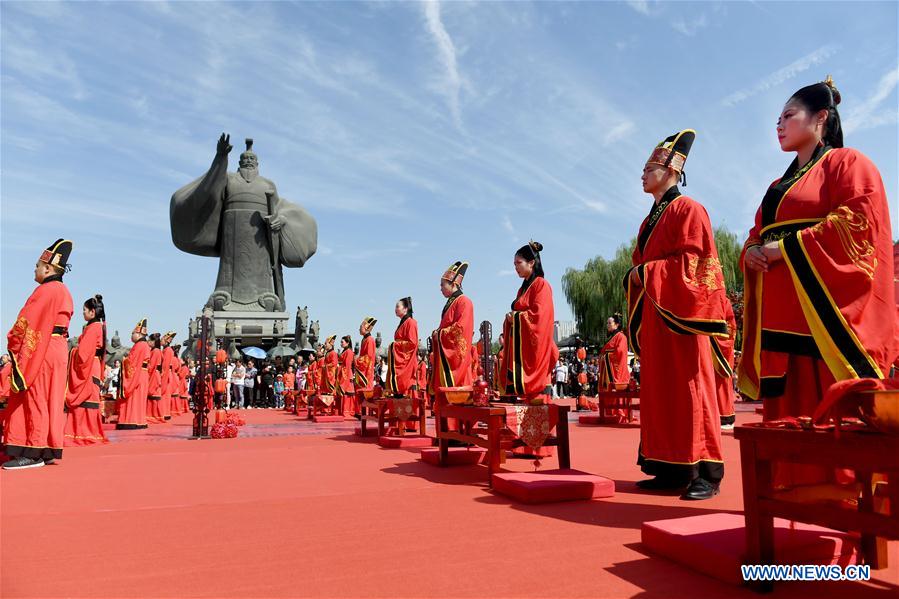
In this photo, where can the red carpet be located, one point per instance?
(294, 509)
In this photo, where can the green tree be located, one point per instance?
(596, 291)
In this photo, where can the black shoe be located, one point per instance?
(699, 489)
(49, 461)
(21, 463)
(660, 483)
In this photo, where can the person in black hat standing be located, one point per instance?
(38, 350)
(677, 318)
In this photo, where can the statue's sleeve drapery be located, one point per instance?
(299, 235)
(196, 210)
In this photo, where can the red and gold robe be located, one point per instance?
(499, 377)
(530, 352)
(677, 316)
(451, 343)
(312, 378)
(35, 421)
(330, 364)
(402, 358)
(422, 378)
(84, 426)
(348, 404)
(168, 382)
(155, 414)
(184, 379)
(135, 381)
(826, 312)
(364, 368)
(724, 369)
(5, 370)
(613, 363)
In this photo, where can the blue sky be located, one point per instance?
(417, 134)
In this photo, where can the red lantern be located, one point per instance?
(221, 356)
(581, 353)
(221, 385)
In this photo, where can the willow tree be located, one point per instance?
(596, 291)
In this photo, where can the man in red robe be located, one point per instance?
(364, 366)
(676, 303)
(135, 381)
(348, 404)
(35, 421)
(451, 342)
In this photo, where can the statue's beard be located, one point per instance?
(248, 173)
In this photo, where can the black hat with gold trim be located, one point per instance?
(170, 334)
(141, 327)
(456, 272)
(369, 322)
(330, 339)
(672, 152)
(58, 254)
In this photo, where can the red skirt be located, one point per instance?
(84, 427)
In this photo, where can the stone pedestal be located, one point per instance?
(260, 329)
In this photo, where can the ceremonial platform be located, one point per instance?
(270, 514)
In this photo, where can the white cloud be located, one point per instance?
(505, 273)
(507, 224)
(619, 131)
(782, 74)
(689, 28)
(451, 82)
(641, 6)
(867, 114)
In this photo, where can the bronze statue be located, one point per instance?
(240, 218)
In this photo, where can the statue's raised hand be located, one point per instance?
(224, 145)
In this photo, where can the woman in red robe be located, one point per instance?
(421, 378)
(166, 378)
(820, 302)
(499, 378)
(528, 331)
(451, 342)
(135, 381)
(613, 372)
(364, 366)
(348, 404)
(330, 364)
(34, 424)
(84, 426)
(155, 415)
(402, 355)
(676, 307)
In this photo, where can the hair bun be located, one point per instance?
(833, 90)
(98, 297)
(536, 245)
(618, 314)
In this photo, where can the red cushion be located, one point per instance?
(456, 456)
(404, 442)
(370, 431)
(325, 418)
(715, 544)
(547, 486)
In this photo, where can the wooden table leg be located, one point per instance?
(422, 423)
(759, 527)
(562, 439)
(443, 453)
(381, 427)
(873, 548)
(494, 425)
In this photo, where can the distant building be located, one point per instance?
(563, 329)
